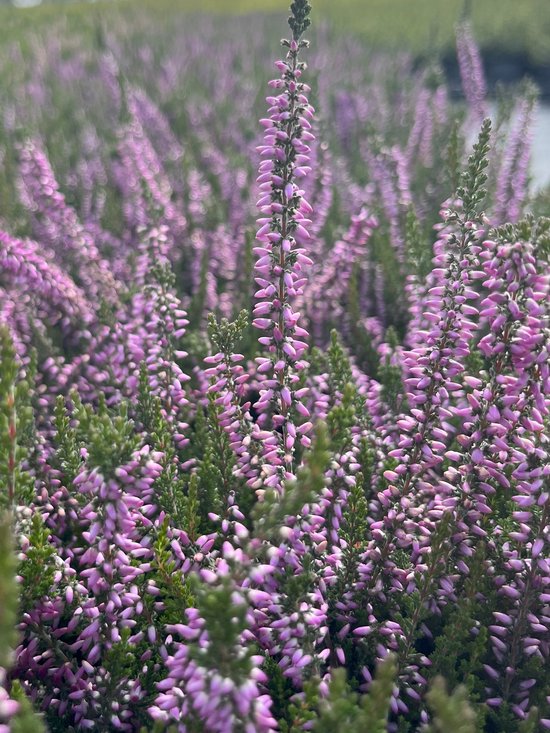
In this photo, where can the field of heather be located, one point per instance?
(274, 370)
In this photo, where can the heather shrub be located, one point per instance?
(275, 476)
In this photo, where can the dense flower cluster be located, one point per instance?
(239, 457)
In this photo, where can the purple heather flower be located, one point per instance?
(471, 72)
(281, 258)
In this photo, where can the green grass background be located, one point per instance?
(424, 26)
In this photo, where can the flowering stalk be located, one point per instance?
(57, 225)
(471, 71)
(513, 452)
(434, 367)
(510, 398)
(285, 154)
(514, 169)
(31, 270)
(213, 681)
(228, 385)
(325, 299)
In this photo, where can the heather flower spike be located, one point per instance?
(282, 258)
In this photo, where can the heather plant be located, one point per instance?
(276, 474)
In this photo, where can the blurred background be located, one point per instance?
(513, 35)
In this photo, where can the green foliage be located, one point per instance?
(225, 620)
(68, 457)
(175, 590)
(341, 419)
(384, 254)
(16, 426)
(215, 471)
(209, 473)
(531, 722)
(390, 377)
(338, 363)
(376, 703)
(225, 334)
(413, 609)
(217, 459)
(302, 709)
(474, 362)
(169, 485)
(191, 512)
(291, 711)
(354, 532)
(297, 587)
(367, 459)
(346, 405)
(8, 591)
(462, 641)
(108, 434)
(269, 515)
(453, 157)
(159, 728)
(450, 712)
(122, 662)
(419, 248)
(367, 355)
(38, 568)
(347, 712)
(26, 720)
(8, 420)
(472, 190)
(196, 307)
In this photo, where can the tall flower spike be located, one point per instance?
(471, 72)
(282, 228)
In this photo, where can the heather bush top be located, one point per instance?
(273, 397)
